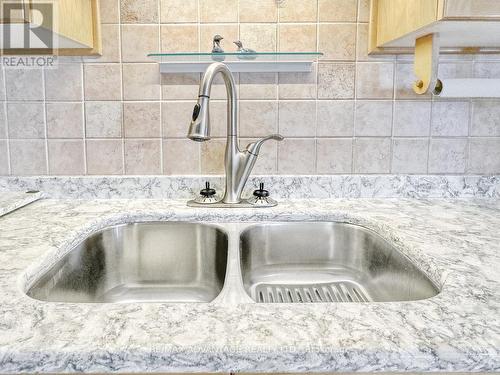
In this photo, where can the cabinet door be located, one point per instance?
(472, 9)
(396, 18)
(19, 14)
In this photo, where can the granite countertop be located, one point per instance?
(456, 241)
(10, 201)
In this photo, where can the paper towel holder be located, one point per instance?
(426, 70)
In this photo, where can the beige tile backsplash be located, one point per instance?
(354, 114)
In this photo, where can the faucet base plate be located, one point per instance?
(245, 203)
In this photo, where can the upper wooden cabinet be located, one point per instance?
(74, 24)
(462, 25)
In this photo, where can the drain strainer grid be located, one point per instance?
(343, 291)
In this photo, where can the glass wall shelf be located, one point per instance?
(268, 62)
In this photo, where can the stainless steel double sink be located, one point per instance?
(275, 262)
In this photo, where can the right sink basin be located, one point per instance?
(327, 262)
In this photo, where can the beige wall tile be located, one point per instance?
(455, 69)
(337, 10)
(218, 118)
(176, 117)
(337, 41)
(261, 37)
(297, 156)
(258, 118)
(26, 120)
(362, 44)
(138, 41)
(65, 82)
(4, 158)
(372, 155)
(142, 156)
(335, 118)
(364, 11)
(178, 11)
(299, 11)
(110, 45)
(103, 82)
(180, 86)
(450, 119)
(28, 157)
(334, 156)
(486, 70)
(141, 119)
(179, 38)
(141, 82)
(412, 118)
(375, 80)
(2, 85)
(230, 32)
(3, 120)
(104, 156)
(66, 157)
(298, 85)
(373, 118)
(297, 118)
(486, 118)
(297, 37)
(410, 155)
(139, 11)
(103, 119)
(181, 157)
(258, 85)
(24, 84)
(64, 120)
(219, 11)
(212, 156)
(110, 11)
(484, 156)
(447, 155)
(336, 81)
(258, 11)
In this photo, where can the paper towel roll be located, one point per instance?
(468, 88)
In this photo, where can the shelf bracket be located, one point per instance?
(426, 63)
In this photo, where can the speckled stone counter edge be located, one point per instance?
(281, 187)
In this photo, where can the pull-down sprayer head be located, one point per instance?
(199, 130)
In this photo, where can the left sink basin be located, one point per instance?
(140, 262)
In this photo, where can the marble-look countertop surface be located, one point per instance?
(10, 201)
(457, 242)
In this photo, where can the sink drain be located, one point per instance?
(343, 291)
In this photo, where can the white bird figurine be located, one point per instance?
(251, 53)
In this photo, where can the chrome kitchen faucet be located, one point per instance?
(238, 164)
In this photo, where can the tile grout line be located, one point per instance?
(124, 170)
(7, 128)
(44, 89)
(84, 120)
(159, 46)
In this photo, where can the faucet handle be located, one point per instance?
(254, 147)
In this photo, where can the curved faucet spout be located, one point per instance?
(199, 129)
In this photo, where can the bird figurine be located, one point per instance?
(250, 52)
(217, 48)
